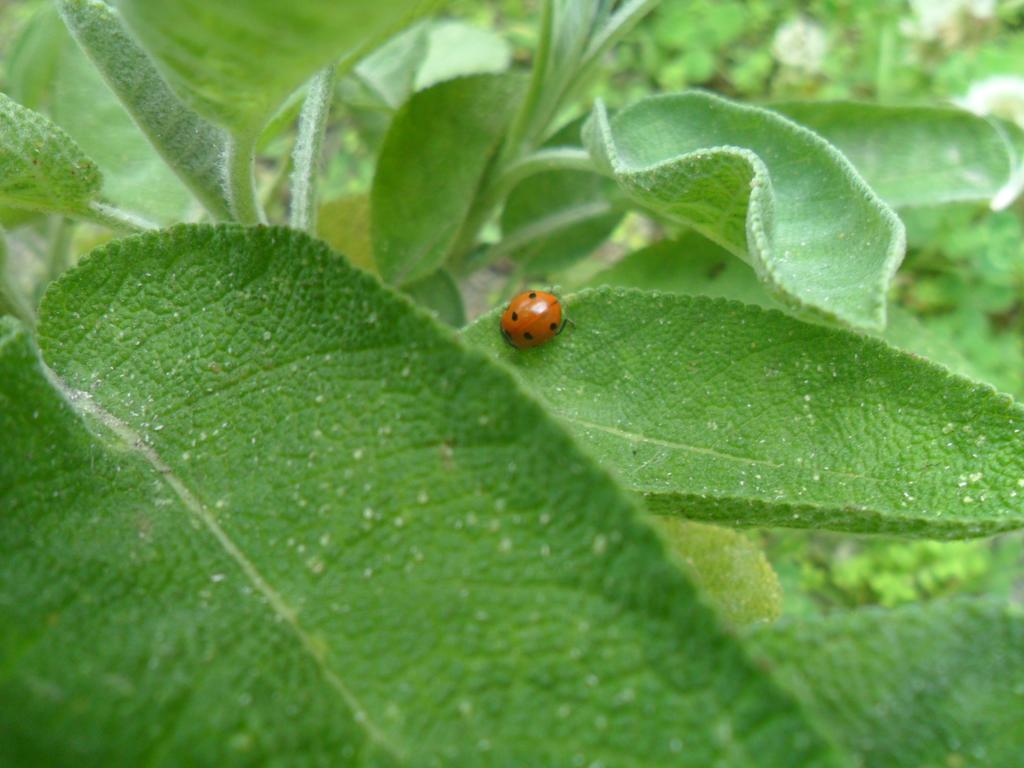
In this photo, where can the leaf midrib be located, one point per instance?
(83, 404)
(636, 437)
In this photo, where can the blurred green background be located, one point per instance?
(963, 277)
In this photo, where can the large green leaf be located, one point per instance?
(717, 410)
(431, 165)
(236, 64)
(916, 155)
(926, 685)
(695, 266)
(193, 148)
(274, 514)
(768, 190)
(41, 167)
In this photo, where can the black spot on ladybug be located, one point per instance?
(528, 335)
(554, 326)
(533, 295)
(514, 317)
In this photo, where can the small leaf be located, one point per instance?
(915, 156)
(274, 515)
(429, 53)
(771, 192)
(344, 223)
(41, 167)
(192, 148)
(236, 65)
(719, 411)
(390, 71)
(456, 49)
(732, 570)
(432, 162)
(439, 294)
(939, 684)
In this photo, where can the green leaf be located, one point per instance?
(12, 300)
(557, 218)
(423, 55)
(455, 49)
(41, 167)
(344, 223)
(732, 570)
(915, 156)
(273, 514)
(689, 264)
(729, 413)
(439, 294)
(192, 148)
(390, 71)
(237, 65)
(554, 218)
(430, 167)
(939, 684)
(31, 60)
(695, 266)
(769, 191)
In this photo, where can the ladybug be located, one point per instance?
(532, 318)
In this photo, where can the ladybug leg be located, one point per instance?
(565, 322)
(506, 337)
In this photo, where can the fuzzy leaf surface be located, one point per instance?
(192, 148)
(730, 413)
(773, 193)
(274, 513)
(695, 266)
(236, 65)
(928, 684)
(915, 155)
(41, 167)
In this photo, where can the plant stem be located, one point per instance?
(538, 229)
(115, 218)
(552, 159)
(555, 158)
(239, 166)
(535, 115)
(305, 157)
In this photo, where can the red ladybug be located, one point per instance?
(532, 318)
